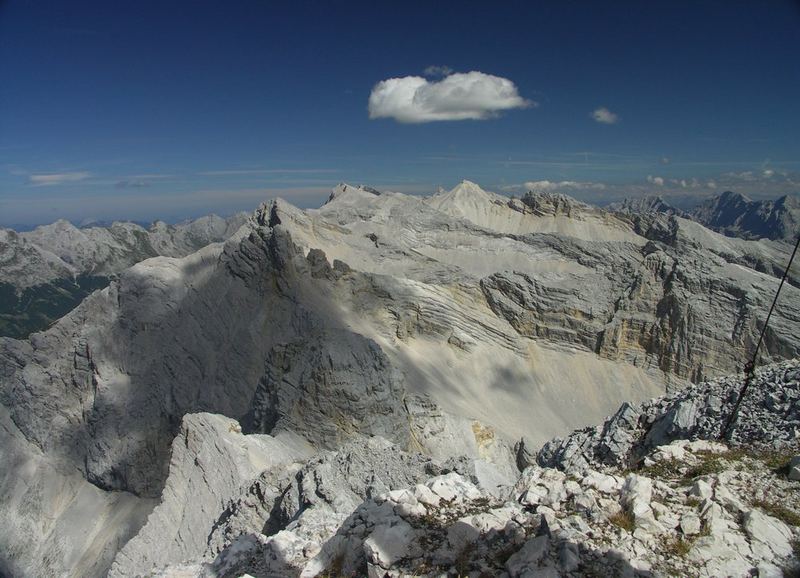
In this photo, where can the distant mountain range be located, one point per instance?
(46, 272)
(732, 214)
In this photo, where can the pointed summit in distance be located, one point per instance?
(464, 199)
(352, 194)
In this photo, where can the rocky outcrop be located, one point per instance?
(544, 203)
(686, 507)
(224, 487)
(709, 512)
(769, 417)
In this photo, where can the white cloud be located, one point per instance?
(438, 71)
(560, 185)
(768, 173)
(658, 181)
(461, 96)
(711, 184)
(604, 116)
(57, 178)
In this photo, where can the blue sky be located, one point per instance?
(147, 110)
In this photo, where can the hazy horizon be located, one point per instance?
(171, 111)
(683, 201)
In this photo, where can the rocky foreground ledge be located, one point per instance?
(616, 502)
(768, 419)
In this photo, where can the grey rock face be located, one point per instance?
(327, 394)
(45, 505)
(654, 321)
(320, 497)
(224, 486)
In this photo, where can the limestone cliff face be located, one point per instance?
(426, 322)
(691, 310)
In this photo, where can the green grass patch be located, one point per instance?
(778, 461)
(623, 519)
(670, 469)
(709, 463)
(678, 547)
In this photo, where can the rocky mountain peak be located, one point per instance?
(735, 214)
(467, 200)
(352, 193)
(463, 196)
(730, 197)
(466, 187)
(58, 225)
(646, 204)
(791, 202)
(552, 203)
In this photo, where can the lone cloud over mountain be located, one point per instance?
(458, 96)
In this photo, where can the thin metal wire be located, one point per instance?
(750, 367)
